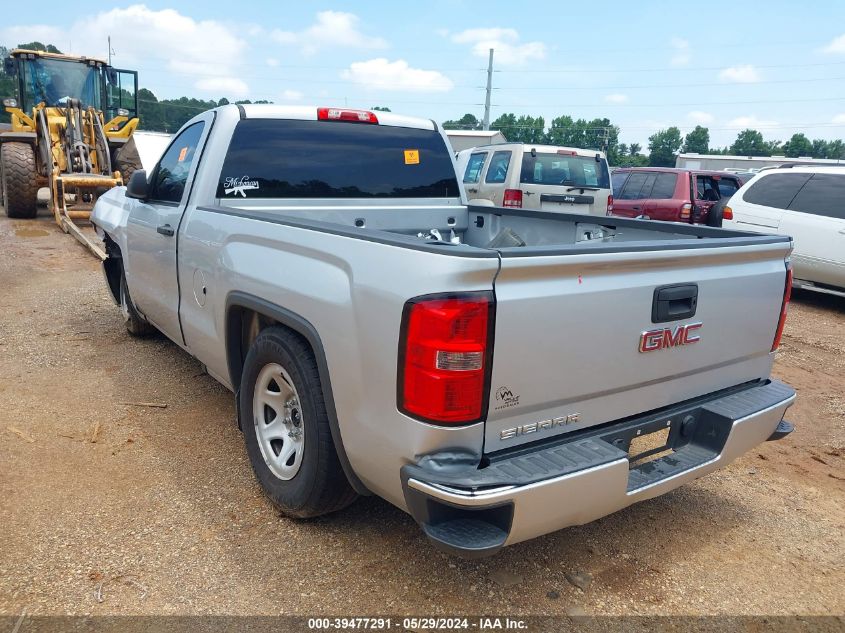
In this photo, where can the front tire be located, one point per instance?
(286, 427)
(136, 325)
(19, 180)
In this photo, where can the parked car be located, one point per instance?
(808, 204)
(673, 195)
(492, 371)
(539, 177)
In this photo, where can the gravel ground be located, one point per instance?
(110, 508)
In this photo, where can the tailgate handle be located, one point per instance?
(673, 303)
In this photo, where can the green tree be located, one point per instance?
(38, 46)
(750, 143)
(528, 129)
(821, 148)
(506, 124)
(798, 145)
(697, 141)
(635, 149)
(622, 150)
(663, 146)
(836, 149)
(466, 122)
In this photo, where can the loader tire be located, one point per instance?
(19, 180)
(127, 160)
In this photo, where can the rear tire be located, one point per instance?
(19, 180)
(136, 325)
(286, 427)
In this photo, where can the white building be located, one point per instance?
(719, 162)
(464, 139)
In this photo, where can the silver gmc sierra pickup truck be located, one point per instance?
(497, 373)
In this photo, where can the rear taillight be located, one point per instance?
(727, 213)
(686, 210)
(787, 294)
(609, 205)
(342, 114)
(513, 198)
(445, 351)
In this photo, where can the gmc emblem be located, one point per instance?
(663, 338)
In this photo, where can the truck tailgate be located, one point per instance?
(569, 326)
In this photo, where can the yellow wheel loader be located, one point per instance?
(72, 125)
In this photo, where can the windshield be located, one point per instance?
(563, 170)
(55, 80)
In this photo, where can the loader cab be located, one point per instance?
(54, 79)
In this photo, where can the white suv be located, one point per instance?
(539, 177)
(808, 203)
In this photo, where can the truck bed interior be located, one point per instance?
(512, 232)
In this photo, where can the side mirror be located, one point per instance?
(10, 66)
(137, 187)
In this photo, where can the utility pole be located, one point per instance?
(109, 50)
(489, 90)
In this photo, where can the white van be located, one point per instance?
(808, 203)
(539, 177)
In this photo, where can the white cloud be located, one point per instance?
(508, 50)
(332, 29)
(616, 98)
(746, 74)
(745, 122)
(700, 118)
(839, 119)
(681, 55)
(386, 75)
(272, 62)
(223, 85)
(836, 46)
(207, 51)
(292, 95)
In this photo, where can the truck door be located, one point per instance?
(152, 228)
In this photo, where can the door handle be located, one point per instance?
(473, 190)
(165, 229)
(636, 208)
(842, 231)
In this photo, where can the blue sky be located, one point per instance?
(776, 66)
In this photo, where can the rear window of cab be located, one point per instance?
(283, 158)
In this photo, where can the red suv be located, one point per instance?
(673, 195)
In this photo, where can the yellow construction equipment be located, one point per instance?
(72, 125)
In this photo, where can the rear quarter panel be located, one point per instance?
(352, 292)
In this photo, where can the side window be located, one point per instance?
(822, 195)
(664, 186)
(619, 179)
(170, 176)
(498, 170)
(645, 192)
(775, 190)
(633, 186)
(728, 187)
(474, 167)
